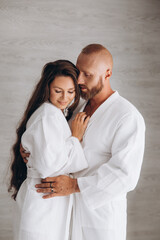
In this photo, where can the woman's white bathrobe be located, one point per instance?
(53, 151)
(113, 144)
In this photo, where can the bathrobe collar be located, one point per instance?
(107, 103)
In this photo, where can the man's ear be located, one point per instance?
(108, 73)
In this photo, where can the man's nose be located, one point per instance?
(81, 78)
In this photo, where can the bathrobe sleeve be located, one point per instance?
(50, 153)
(120, 174)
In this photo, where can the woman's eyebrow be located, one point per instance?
(62, 88)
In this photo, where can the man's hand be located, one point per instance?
(58, 186)
(24, 154)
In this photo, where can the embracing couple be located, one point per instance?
(82, 147)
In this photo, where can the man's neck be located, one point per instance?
(96, 101)
(100, 98)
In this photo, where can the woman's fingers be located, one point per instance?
(80, 116)
(22, 150)
(25, 160)
(79, 125)
(24, 154)
(86, 120)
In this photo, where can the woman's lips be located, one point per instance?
(62, 103)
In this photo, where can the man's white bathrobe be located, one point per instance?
(53, 151)
(113, 145)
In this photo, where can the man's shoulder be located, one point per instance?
(124, 107)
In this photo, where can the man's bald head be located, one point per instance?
(95, 65)
(100, 52)
(93, 48)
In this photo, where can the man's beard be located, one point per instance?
(94, 91)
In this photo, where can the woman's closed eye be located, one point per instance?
(58, 91)
(71, 92)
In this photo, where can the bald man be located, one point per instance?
(113, 145)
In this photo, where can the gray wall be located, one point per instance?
(35, 32)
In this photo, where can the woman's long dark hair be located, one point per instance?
(39, 96)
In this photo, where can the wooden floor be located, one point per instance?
(35, 32)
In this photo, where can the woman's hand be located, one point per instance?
(79, 125)
(23, 153)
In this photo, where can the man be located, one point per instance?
(113, 145)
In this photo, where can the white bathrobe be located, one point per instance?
(53, 151)
(113, 145)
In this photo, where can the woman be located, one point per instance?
(45, 133)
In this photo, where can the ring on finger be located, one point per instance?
(52, 190)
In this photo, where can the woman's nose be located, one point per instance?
(64, 95)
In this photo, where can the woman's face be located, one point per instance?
(62, 91)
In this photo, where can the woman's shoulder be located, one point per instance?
(47, 109)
